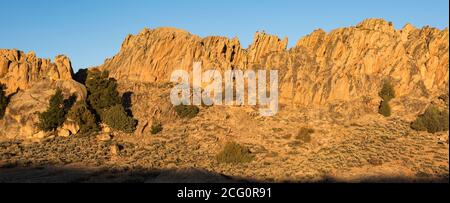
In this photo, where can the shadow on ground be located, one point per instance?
(76, 175)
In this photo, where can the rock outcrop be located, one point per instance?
(152, 55)
(21, 116)
(351, 63)
(19, 70)
(344, 65)
(342, 71)
(30, 83)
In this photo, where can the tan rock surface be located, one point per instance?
(21, 116)
(19, 70)
(152, 55)
(344, 65)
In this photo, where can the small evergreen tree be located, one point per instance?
(102, 90)
(387, 93)
(105, 100)
(3, 100)
(55, 114)
(117, 118)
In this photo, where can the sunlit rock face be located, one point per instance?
(30, 82)
(19, 70)
(343, 65)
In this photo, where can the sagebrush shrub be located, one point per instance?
(187, 111)
(432, 120)
(304, 135)
(55, 115)
(234, 153)
(156, 128)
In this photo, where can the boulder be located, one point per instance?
(40, 135)
(71, 126)
(103, 137)
(114, 150)
(63, 132)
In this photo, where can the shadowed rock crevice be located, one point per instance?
(127, 102)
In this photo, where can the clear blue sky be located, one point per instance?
(88, 31)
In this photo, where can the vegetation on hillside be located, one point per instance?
(106, 102)
(234, 153)
(387, 93)
(384, 109)
(432, 120)
(116, 117)
(304, 134)
(55, 115)
(102, 91)
(187, 111)
(81, 114)
(156, 128)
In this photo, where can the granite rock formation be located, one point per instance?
(19, 70)
(345, 64)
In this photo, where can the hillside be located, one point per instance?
(328, 128)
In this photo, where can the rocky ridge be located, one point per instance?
(346, 64)
(19, 70)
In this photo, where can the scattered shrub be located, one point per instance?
(432, 120)
(156, 128)
(3, 100)
(387, 92)
(234, 153)
(81, 114)
(304, 135)
(55, 114)
(116, 117)
(384, 109)
(187, 111)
